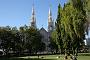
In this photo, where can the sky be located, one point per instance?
(18, 12)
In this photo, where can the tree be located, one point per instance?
(6, 38)
(33, 40)
(79, 21)
(26, 39)
(53, 39)
(71, 26)
(58, 29)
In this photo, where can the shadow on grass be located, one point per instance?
(23, 59)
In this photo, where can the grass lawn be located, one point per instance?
(84, 58)
(45, 57)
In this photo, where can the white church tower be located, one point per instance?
(33, 18)
(50, 22)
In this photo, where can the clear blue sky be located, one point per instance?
(18, 12)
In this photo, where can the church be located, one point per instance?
(45, 34)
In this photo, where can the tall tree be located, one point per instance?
(71, 25)
(58, 29)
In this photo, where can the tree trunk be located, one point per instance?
(65, 58)
(74, 54)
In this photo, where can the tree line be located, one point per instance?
(18, 41)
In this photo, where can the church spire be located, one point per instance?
(49, 15)
(50, 22)
(33, 18)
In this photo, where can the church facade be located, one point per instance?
(45, 34)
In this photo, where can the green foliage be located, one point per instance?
(26, 38)
(70, 25)
(88, 5)
(58, 28)
(53, 42)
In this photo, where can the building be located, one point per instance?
(45, 39)
(45, 34)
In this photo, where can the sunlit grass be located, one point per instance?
(45, 57)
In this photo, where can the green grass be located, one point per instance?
(23, 59)
(45, 57)
(83, 57)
